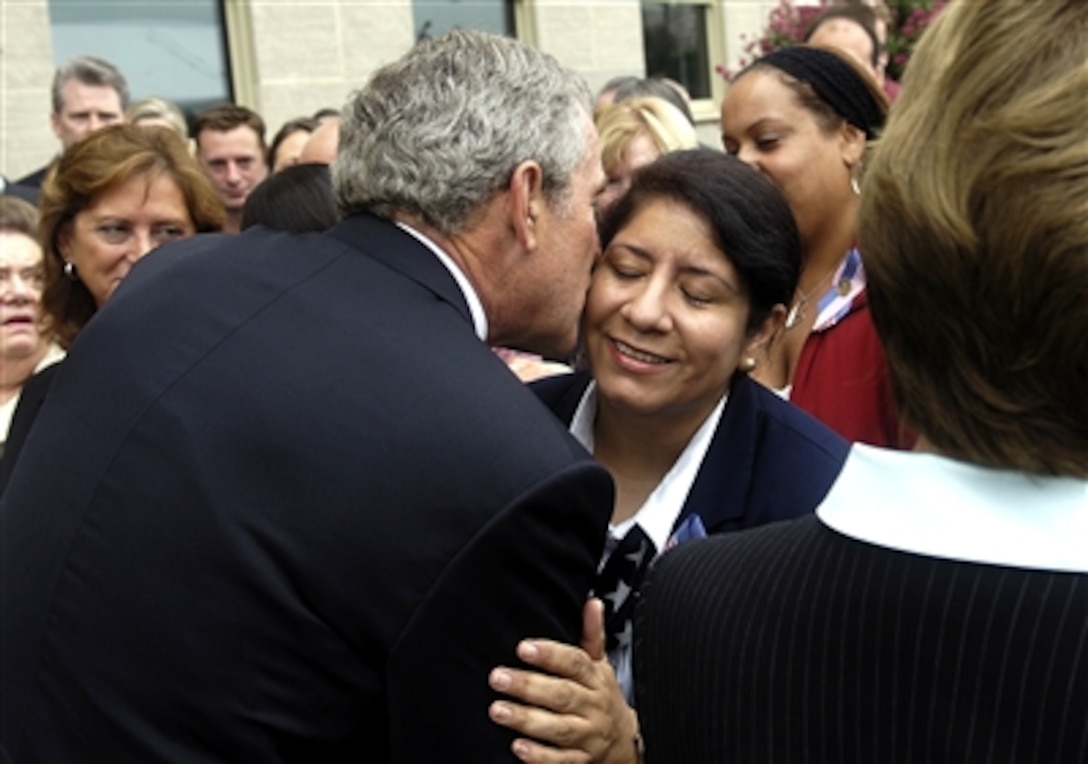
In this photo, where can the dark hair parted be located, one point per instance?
(289, 128)
(226, 117)
(100, 162)
(830, 86)
(747, 215)
(974, 224)
(297, 199)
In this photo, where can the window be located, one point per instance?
(675, 39)
(436, 17)
(172, 50)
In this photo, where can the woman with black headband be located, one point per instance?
(803, 116)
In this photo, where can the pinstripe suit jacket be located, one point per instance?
(794, 643)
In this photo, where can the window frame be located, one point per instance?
(703, 109)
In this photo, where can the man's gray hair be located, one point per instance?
(89, 70)
(436, 133)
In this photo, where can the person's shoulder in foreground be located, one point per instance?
(935, 608)
(282, 502)
(844, 636)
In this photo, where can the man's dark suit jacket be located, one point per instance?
(26, 193)
(34, 179)
(767, 461)
(282, 505)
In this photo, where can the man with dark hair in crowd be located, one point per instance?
(231, 149)
(88, 93)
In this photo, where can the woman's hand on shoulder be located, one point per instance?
(572, 710)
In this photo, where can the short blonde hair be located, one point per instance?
(974, 225)
(621, 122)
(159, 108)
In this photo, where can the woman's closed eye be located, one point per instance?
(696, 297)
(625, 273)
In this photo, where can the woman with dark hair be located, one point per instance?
(287, 144)
(803, 116)
(298, 198)
(935, 608)
(699, 260)
(113, 197)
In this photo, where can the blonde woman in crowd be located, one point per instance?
(159, 111)
(634, 133)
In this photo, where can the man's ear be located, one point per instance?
(526, 202)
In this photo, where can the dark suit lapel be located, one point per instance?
(562, 393)
(383, 241)
(720, 492)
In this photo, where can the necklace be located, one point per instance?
(797, 309)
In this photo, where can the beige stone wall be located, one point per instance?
(599, 40)
(26, 74)
(291, 58)
(310, 56)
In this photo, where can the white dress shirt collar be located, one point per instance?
(658, 513)
(932, 505)
(475, 307)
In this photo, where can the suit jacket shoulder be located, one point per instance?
(562, 393)
(340, 471)
(767, 460)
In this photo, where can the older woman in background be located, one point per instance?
(114, 197)
(802, 117)
(699, 260)
(26, 344)
(936, 608)
(634, 133)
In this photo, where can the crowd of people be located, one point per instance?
(485, 419)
